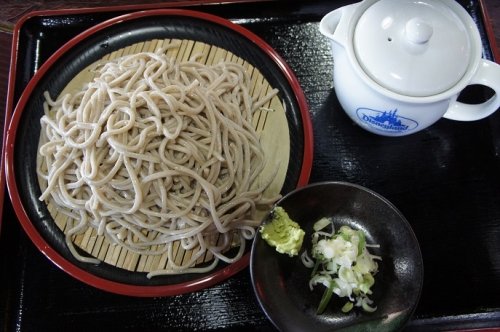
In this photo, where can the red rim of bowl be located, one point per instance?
(143, 290)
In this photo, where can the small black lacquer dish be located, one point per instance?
(281, 282)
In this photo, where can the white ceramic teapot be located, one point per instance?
(399, 65)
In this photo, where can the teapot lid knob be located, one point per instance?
(418, 31)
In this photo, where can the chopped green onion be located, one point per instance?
(343, 265)
(361, 243)
(322, 223)
(347, 307)
(367, 283)
(366, 307)
(315, 268)
(325, 299)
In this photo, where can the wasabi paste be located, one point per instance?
(283, 233)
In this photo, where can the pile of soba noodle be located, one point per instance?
(154, 151)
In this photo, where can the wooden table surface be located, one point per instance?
(13, 10)
(492, 9)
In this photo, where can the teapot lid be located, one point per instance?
(414, 48)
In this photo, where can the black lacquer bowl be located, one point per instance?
(281, 282)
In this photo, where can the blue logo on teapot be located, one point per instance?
(387, 121)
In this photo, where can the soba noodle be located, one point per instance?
(154, 151)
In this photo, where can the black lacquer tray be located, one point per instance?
(445, 180)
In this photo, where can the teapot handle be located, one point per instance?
(488, 74)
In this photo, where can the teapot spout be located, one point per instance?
(335, 25)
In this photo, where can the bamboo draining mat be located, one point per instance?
(271, 126)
